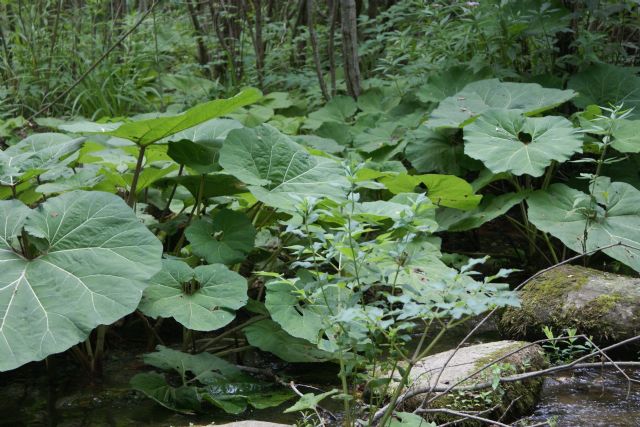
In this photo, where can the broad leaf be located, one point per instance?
(605, 84)
(442, 190)
(202, 299)
(36, 154)
(481, 96)
(448, 83)
(95, 260)
(227, 239)
(506, 141)
(205, 378)
(436, 150)
(277, 171)
(199, 147)
(267, 335)
(182, 399)
(339, 109)
(145, 132)
(611, 217)
(489, 209)
(626, 136)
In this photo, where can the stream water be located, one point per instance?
(590, 398)
(29, 397)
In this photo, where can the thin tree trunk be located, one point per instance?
(333, 10)
(350, 47)
(203, 55)
(313, 38)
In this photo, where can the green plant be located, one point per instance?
(567, 347)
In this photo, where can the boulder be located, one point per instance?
(605, 306)
(518, 398)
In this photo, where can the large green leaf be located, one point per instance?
(611, 217)
(507, 141)
(226, 240)
(202, 299)
(604, 84)
(483, 95)
(489, 209)
(338, 110)
(442, 190)
(436, 150)
(205, 378)
(285, 308)
(35, 154)
(267, 335)
(277, 171)
(449, 82)
(145, 132)
(198, 147)
(626, 136)
(95, 259)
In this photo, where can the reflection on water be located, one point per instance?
(589, 398)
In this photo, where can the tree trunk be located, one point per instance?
(333, 10)
(350, 47)
(203, 54)
(313, 38)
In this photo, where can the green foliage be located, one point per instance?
(68, 267)
(507, 141)
(583, 222)
(227, 239)
(204, 379)
(202, 299)
(308, 229)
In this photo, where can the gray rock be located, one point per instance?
(516, 398)
(603, 305)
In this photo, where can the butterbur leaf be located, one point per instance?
(481, 96)
(180, 399)
(442, 190)
(301, 322)
(227, 239)
(612, 217)
(146, 132)
(448, 83)
(489, 209)
(202, 299)
(436, 150)
(277, 171)
(507, 141)
(205, 378)
(606, 84)
(94, 260)
(267, 335)
(626, 136)
(36, 154)
(338, 109)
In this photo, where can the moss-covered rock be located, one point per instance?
(603, 305)
(510, 400)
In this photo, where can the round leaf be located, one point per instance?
(278, 171)
(202, 299)
(507, 141)
(226, 240)
(613, 217)
(484, 95)
(96, 259)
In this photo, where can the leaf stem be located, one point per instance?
(131, 199)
